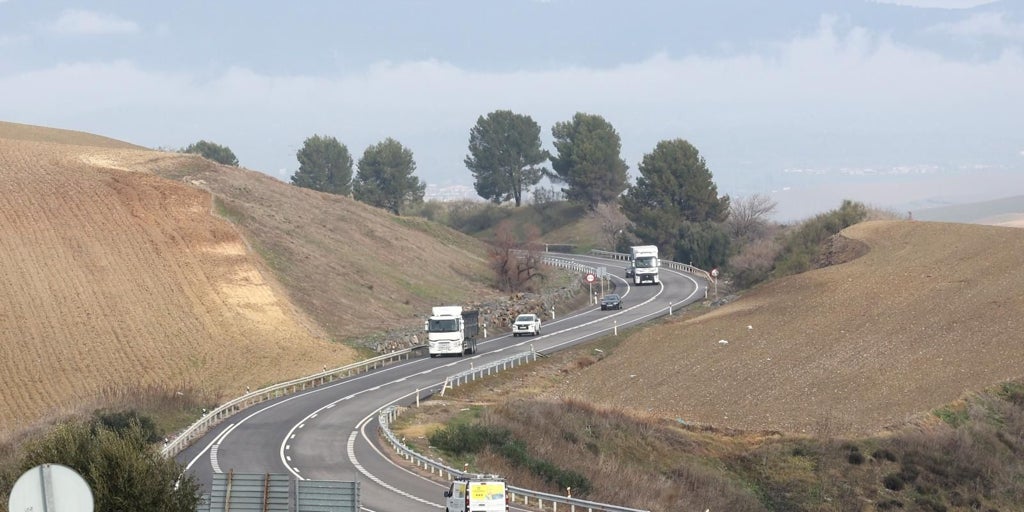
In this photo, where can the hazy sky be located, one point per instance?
(899, 104)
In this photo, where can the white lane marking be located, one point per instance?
(378, 481)
(213, 458)
(223, 436)
(216, 441)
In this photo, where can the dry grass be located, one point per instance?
(823, 403)
(930, 311)
(121, 276)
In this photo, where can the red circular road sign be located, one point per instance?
(590, 278)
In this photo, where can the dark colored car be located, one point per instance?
(611, 301)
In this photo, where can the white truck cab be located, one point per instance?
(481, 493)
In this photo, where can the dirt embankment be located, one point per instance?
(115, 278)
(929, 312)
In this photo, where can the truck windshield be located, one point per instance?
(646, 262)
(443, 325)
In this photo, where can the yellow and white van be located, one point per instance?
(482, 493)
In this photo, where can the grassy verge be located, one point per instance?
(965, 456)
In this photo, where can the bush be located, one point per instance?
(855, 458)
(461, 439)
(884, 454)
(893, 482)
(120, 467)
(121, 422)
(212, 151)
(801, 246)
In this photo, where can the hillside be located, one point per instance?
(931, 312)
(116, 277)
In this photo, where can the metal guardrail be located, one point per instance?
(568, 264)
(540, 499)
(528, 497)
(467, 376)
(222, 412)
(674, 265)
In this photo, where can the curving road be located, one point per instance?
(329, 432)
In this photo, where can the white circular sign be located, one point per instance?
(51, 487)
(590, 278)
(714, 272)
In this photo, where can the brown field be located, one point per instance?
(932, 311)
(114, 279)
(130, 269)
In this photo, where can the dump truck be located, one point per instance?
(452, 330)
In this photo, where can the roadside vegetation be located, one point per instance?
(113, 451)
(963, 456)
(343, 265)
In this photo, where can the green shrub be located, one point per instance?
(461, 439)
(122, 421)
(801, 246)
(893, 482)
(855, 458)
(121, 468)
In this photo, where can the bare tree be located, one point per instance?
(748, 216)
(516, 262)
(613, 223)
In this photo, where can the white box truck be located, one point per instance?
(452, 330)
(482, 493)
(643, 264)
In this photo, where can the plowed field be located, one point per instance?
(112, 277)
(932, 311)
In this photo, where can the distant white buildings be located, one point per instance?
(445, 193)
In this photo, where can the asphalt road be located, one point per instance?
(329, 432)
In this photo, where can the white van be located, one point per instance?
(483, 493)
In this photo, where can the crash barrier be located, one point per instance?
(473, 373)
(213, 418)
(219, 414)
(674, 265)
(540, 500)
(568, 264)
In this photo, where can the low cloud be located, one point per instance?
(811, 101)
(82, 22)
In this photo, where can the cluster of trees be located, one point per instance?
(384, 175)
(674, 203)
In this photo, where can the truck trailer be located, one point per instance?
(452, 330)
